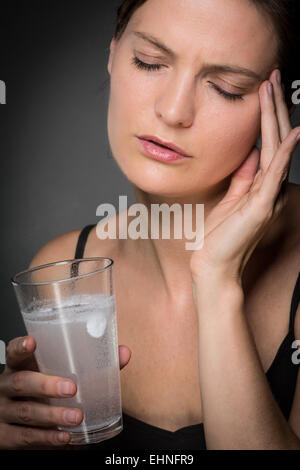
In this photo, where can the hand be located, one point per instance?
(254, 199)
(21, 380)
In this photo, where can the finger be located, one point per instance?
(281, 106)
(26, 383)
(124, 356)
(20, 437)
(278, 169)
(284, 126)
(269, 126)
(242, 178)
(19, 353)
(31, 413)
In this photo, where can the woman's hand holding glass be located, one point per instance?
(22, 391)
(254, 198)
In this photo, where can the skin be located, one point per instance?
(254, 198)
(178, 104)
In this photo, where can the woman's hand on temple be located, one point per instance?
(254, 198)
(26, 421)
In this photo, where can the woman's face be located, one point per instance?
(178, 101)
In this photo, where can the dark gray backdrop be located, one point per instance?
(56, 163)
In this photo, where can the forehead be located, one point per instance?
(231, 30)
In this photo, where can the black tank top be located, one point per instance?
(136, 434)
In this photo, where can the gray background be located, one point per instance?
(56, 163)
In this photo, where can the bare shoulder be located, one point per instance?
(61, 247)
(294, 215)
(294, 234)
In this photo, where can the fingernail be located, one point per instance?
(63, 437)
(71, 416)
(298, 137)
(24, 344)
(278, 77)
(270, 88)
(65, 388)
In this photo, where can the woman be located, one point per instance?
(209, 330)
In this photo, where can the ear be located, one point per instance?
(111, 55)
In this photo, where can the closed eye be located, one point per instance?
(153, 67)
(230, 96)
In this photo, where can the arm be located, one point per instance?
(238, 406)
(239, 409)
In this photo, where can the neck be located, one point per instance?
(170, 256)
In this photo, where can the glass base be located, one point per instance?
(97, 435)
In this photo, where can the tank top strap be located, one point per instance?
(79, 252)
(294, 304)
(82, 239)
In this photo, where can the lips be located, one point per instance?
(158, 152)
(168, 145)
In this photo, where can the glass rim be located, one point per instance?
(15, 282)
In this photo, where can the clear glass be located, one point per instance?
(69, 308)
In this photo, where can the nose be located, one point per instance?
(176, 102)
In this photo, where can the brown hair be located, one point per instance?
(283, 15)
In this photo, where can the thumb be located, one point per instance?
(124, 356)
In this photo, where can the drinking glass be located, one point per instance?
(69, 308)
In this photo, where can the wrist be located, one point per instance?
(217, 289)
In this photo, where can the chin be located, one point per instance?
(177, 188)
(158, 178)
(153, 179)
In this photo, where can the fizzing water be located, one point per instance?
(79, 341)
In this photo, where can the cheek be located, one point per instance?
(227, 131)
(127, 104)
(233, 131)
(129, 93)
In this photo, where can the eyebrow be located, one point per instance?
(207, 68)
